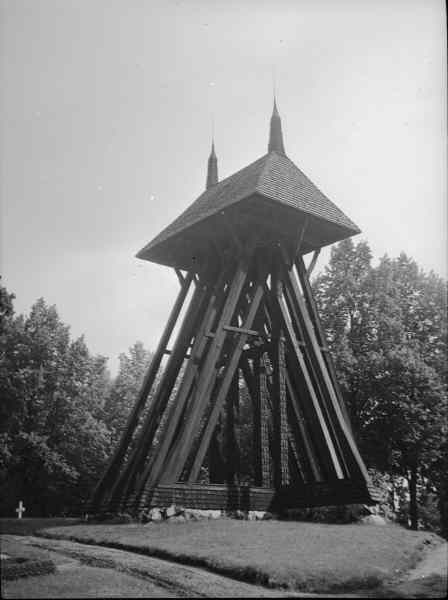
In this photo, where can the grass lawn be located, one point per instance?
(300, 556)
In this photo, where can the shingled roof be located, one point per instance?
(273, 178)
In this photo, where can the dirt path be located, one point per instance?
(429, 579)
(435, 562)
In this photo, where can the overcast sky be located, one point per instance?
(105, 116)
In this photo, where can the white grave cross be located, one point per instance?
(20, 510)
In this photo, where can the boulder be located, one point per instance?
(171, 511)
(373, 520)
(177, 519)
(256, 515)
(174, 510)
(197, 513)
(155, 514)
(268, 516)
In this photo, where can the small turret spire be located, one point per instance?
(212, 168)
(275, 133)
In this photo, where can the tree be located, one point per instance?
(411, 371)
(6, 307)
(344, 295)
(125, 388)
(54, 441)
(409, 420)
(386, 327)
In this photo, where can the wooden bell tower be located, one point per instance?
(250, 338)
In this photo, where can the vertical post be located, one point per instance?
(280, 417)
(231, 447)
(266, 474)
(258, 446)
(215, 460)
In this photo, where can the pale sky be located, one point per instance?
(105, 116)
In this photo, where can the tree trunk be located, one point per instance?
(443, 507)
(413, 507)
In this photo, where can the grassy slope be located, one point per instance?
(301, 556)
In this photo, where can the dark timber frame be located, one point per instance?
(250, 340)
(253, 322)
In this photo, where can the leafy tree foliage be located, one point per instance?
(54, 441)
(125, 388)
(386, 326)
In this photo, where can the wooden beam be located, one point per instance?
(281, 461)
(155, 464)
(161, 396)
(296, 310)
(114, 463)
(180, 277)
(314, 313)
(252, 383)
(313, 262)
(179, 454)
(317, 366)
(305, 437)
(231, 450)
(266, 471)
(187, 356)
(251, 332)
(215, 460)
(290, 334)
(224, 384)
(356, 461)
(299, 240)
(295, 454)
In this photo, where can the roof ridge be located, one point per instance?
(221, 181)
(262, 172)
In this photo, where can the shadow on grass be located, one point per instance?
(32, 526)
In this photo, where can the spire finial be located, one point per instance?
(212, 165)
(275, 133)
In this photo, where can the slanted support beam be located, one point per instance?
(327, 444)
(299, 242)
(180, 277)
(116, 460)
(232, 366)
(156, 462)
(179, 454)
(335, 404)
(162, 394)
(312, 263)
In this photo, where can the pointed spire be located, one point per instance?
(212, 168)
(275, 133)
